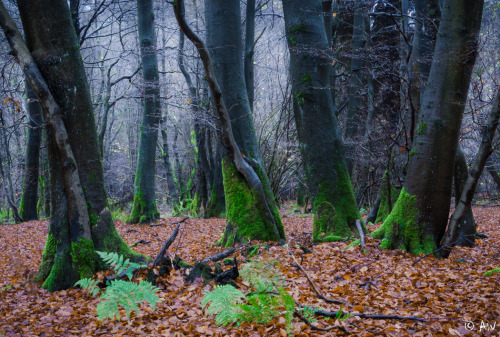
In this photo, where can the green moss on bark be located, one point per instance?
(48, 258)
(401, 230)
(384, 208)
(335, 209)
(141, 212)
(62, 274)
(244, 211)
(83, 256)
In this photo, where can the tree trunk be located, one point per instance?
(335, 208)
(249, 50)
(251, 211)
(458, 229)
(467, 226)
(357, 106)
(29, 200)
(216, 203)
(77, 188)
(144, 207)
(418, 220)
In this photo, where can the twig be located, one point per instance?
(173, 223)
(165, 246)
(144, 242)
(314, 327)
(132, 230)
(219, 256)
(326, 299)
(334, 314)
(361, 234)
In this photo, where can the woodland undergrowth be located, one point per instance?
(452, 294)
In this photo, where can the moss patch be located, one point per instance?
(401, 231)
(335, 208)
(48, 258)
(422, 128)
(83, 255)
(244, 211)
(491, 272)
(141, 211)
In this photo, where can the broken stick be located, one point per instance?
(165, 246)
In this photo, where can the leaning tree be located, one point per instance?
(250, 205)
(80, 223)
(418, 220)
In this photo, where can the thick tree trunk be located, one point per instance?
(251, 211)
(418, 220)
(357, 107)
(77, 188)
(29, 200)
(249, 50)
(216, 203)
(427, 13)
(144, 207)
(335, 208)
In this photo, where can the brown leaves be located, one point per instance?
(448, 292)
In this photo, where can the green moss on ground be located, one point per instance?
(401, 231)
(491, 272)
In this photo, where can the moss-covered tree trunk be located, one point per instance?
(335, 209)
(419, 218)
(29, 200)
(388, 197)
(144, 207)
(80, 222)
(246, 215)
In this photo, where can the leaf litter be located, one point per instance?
(452, 294)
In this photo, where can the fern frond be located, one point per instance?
(224, 302)
(90, 285)
(127, 295)
(116, 261)
(262, 275)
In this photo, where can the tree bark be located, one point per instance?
(144, 208)
(335, 208)
(249, 50)
(251, 212)
(457, 228)
(58, 78)
(418, 220)
(29, 200)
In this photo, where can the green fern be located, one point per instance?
(119, 265)
(128, 295)
(225, 301)
(261, 305)
(90, 285)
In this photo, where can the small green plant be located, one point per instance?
(261, 305)
(119, 265)
(119, 292)
(340, 314)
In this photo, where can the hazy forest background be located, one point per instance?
(254, 128)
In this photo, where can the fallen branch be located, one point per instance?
(361, 234)
(144, 242)
(219, 256)
(165, 246)
(334, 314)
(314, 327)
(173, 223)
(313, 286)
(132, 230)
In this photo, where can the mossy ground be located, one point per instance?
(244, 212)
(401, 231)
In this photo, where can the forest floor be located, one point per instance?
(452, 294)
